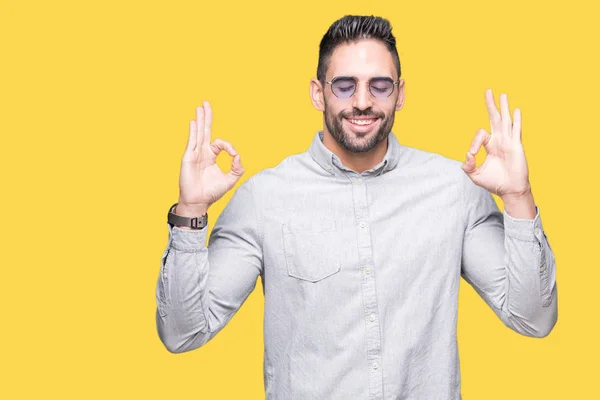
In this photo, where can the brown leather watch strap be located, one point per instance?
(179, 220)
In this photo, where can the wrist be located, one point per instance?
(520, 205)
(190, 211)
(192, 215)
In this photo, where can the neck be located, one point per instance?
(358, 162)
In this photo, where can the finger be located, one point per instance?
(469, 166)
(219, 145)
(481, 138)
(516, 128)
(505, 113)
(207, 122)
(191, 144)
(199, 127)
(495, 118)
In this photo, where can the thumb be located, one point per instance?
(236, 172)
(469, 165)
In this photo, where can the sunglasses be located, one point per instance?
(345, 86)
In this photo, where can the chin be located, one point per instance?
(363, 145)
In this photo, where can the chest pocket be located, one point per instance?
(312, 249)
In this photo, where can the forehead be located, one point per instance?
(363, 59)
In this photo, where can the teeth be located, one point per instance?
(362, 122)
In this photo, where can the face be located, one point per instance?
(362, 121)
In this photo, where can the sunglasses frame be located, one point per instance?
(332, 81)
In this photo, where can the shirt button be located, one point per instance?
(537, 230)
(375, 365)
(367, 271)
(372, 317)
(358, 181)
(363, 224)
(543, 268)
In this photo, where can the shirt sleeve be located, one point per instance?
(510, 264)
(201, 287)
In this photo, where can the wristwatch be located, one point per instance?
(194, 223)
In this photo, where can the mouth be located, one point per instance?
(362, 124)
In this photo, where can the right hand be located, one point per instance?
(201, 181)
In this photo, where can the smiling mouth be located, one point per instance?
(362, 126)
(361, 121)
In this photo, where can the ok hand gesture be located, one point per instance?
(504, 171)
(201, 181)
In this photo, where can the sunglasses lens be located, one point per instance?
(343, 88)
(381, 89)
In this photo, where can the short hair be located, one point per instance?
(351, 29)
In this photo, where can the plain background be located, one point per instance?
(96, 99)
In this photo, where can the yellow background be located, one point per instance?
(96, 98)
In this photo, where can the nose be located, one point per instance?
(362, 98)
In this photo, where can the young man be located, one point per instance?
(360, 241)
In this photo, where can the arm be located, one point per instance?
(506, 257)
(510, 264)
(201, 287)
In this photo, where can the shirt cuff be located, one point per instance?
(188, 240)
(529, 230)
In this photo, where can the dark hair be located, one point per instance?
(351, 29)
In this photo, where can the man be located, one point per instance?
(360, 242)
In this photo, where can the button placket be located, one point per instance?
(538, 232)
(369, 295)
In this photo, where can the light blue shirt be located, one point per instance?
(360, 273)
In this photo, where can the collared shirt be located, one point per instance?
(360, 273)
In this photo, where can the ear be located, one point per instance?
(400, 101)
(316, 94)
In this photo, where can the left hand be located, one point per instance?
(504, 171)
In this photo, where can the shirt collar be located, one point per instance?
(328, 160)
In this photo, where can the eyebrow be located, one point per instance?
(354, 78)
